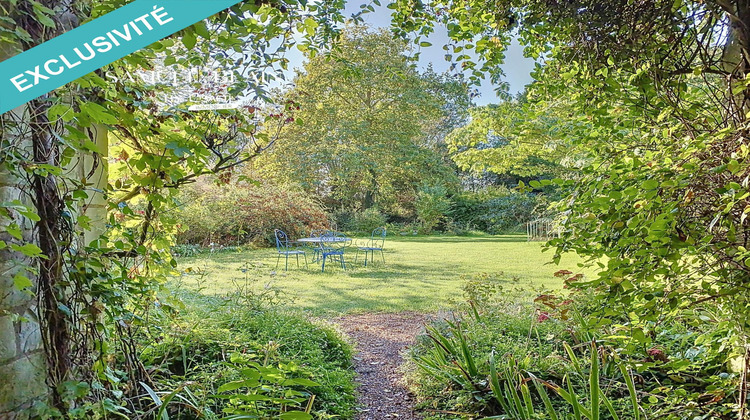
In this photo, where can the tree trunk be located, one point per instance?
(23, 367)
(51, 234)
(370, 193)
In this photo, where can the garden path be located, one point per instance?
(380, 339)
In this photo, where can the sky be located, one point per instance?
(517, 68)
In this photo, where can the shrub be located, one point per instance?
(364, 222)
(186, 250)
(502, 354)
(453, 227)
(508, 213)
(244, 213)
(219, 353)
(343, 219)
(403, 229)
(431, 206)
(358, 222)
(498, 210)
(450, 363)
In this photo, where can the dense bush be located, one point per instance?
(224, 356)
(501, 356)
(364, 222)
(361, 222)
(498, 210)
(241, 213)
(342, 219)
(431, 206)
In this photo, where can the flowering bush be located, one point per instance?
(241, 213)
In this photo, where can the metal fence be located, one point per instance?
(542, 230)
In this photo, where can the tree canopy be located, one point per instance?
(516, 138)
(662, 206)
(368, 126)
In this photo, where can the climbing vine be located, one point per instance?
(97, 163)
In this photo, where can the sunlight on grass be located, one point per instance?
(420, 274)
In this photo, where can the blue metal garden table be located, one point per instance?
(321, 242)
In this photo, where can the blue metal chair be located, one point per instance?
(375, 243)
(283, 248)
(334, 249)
(316, 233)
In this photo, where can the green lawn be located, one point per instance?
(423, 273)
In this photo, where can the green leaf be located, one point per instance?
(43, 13)
(22, 34)
(59, 111)
(15, 231)
(631, 390)
(152, 394)
(594, 382)
(189, 39)
(29, 250)
(202, 30)
(21, 282)
(98, 113)
(231, 386)
(243, 397)
(650, 184)
(542, 392)
(639, 336)
(310, 24)
(80, 195)
(733, 166)
(295, 415)
(179, 150)
(300, 381)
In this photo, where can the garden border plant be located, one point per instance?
(503, 355)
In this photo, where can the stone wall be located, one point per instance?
(23, 367)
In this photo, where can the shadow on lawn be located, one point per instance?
(396, 271)
(460, 239)
(347, 299)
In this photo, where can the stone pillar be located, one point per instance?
(94, 168)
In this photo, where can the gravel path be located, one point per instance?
(380, 339)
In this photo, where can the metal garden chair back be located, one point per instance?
(316, 248)
(283, 248)
(378, 238)
(334, 248)
(374, 244)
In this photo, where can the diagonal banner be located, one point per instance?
(95, 44)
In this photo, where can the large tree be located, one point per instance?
(370, 126)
